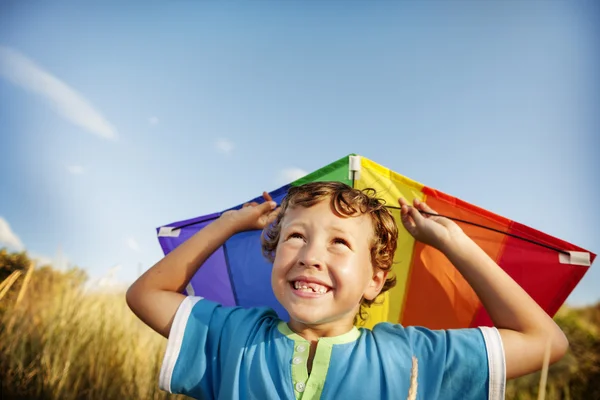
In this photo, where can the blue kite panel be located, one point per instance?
(249, 270)
(250, 273)
(237, 273)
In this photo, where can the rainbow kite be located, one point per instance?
(430, 292)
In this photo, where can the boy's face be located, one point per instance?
(322, 267)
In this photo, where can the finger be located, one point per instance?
(407, 213)
(403, 205)
(424, 207)
(267, 196)
(273, 215)
(406, 217)
(415, 215)
(402, 201)
(408, 222)
(267, 206)
(433, 215)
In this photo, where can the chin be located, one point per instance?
(313, 318)
(307, 317)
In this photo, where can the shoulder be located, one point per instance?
(199, 312)
(422, 336)
(483, 339)
(202, 324)
(474, 356)
(204, 338)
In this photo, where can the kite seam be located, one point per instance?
(194, 223)
(230, 275)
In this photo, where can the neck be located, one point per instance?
(314, 332)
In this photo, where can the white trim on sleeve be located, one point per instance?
(496, 362)
(175, 341)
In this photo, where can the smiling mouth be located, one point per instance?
(309, 287)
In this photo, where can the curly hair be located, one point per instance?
(346, 202)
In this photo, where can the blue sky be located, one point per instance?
(119, 118)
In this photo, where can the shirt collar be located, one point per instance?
(347, 337)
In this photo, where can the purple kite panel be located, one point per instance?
(212, 280)
(236, 274)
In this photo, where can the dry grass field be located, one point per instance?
(60, 341)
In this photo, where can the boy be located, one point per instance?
(332, 248)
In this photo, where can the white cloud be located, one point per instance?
(153, 120)
(107, 283)
(71, 105)
(132, 244)
(42, 260)
(8, 238)
(75, 169)
(224, 146)
(289, 175)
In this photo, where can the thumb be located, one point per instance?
(431, 213)
(434, 216)
(424, 207)
(444, 222)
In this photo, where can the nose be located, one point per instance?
(311, 256)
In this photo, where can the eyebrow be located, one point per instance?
(303, 225)
(293, 225)
(335, 228)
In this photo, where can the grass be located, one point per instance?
(58, 341)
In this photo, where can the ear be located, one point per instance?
(375, 285)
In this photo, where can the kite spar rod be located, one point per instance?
(491, 229)
(444, 216)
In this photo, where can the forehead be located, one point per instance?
(323, 214)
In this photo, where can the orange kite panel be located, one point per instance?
(438, 296)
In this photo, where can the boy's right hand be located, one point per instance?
(253, 215)
(429, 228)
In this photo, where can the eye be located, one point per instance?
(341, 241)
(295, 235)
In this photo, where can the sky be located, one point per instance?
(117, 118)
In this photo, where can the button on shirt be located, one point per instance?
(216, 352)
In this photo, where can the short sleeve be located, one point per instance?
(203, 336)
(455, 363)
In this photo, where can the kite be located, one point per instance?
(429, 292)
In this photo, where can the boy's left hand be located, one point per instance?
(432, 230)
(253, 215)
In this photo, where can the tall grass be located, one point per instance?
(59, 342)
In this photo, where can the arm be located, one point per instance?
(526, 329)
(156, 295)
(524, 326)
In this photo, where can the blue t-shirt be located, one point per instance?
(216, 352)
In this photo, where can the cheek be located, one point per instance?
(285, 252)
(353, 270)
(347, 269)
(283, 257)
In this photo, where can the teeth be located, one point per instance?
(310, 287)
